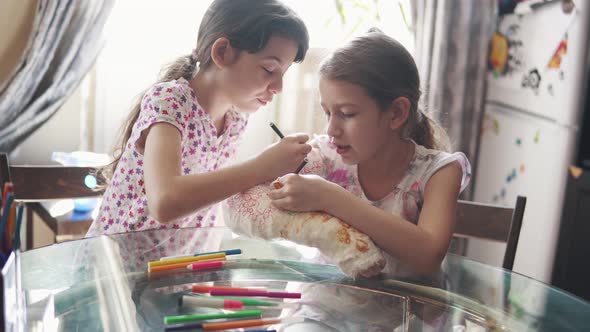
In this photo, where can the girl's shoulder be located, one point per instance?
(173, 88)
(426, 162)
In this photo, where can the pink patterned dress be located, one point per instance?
(124, 205)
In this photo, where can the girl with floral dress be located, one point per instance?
(171, 169)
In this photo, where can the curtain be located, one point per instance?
(65, 40)
(451, 43)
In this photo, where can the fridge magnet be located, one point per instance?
(498, 54)
(536, 138)
(506, 6)
(555, 61)
(505, 56)
(518, 141)
(503, 192)
(511, 176)
(490, 123)
(522, 168)
(561, 75)
(532, 80)
(567, 6)
(550, 89)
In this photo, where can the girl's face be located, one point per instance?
(357, 126)
(252, 79)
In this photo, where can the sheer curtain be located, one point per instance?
(65, 40)
(451, 43)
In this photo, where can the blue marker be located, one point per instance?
(181, 327)
(19, 221)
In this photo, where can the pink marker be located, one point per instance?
(262, 293)
(202, 301)
(204, 265)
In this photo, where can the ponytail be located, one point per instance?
(426, 132)
(183, 67)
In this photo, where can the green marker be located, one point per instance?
(250, 302)
(192, 318)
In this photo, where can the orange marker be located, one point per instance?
(249, 323)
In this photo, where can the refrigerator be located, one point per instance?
(533, 105)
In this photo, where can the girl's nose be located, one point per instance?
(276, 86)
(333, 129)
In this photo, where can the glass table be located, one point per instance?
(102, 284)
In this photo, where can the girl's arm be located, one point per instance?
(422, 246)
(172, 195)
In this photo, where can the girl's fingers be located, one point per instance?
(301, 138)
(304, 149)
(275, 194)
(283, 203)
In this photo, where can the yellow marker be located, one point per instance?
(186, 259)
(180, 266)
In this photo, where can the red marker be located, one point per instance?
(205, 265)
(201, 301)
(261, 293)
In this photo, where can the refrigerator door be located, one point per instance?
(537, 61)
(524, 155)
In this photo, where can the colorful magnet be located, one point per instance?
(498, 57)
(532, 80)
(536, 138)
(506, 6)
(567, 6)
(555, 61)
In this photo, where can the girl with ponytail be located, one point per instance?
(384, 166)
(170, 169)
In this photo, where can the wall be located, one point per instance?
(16, 17)
(63, 132)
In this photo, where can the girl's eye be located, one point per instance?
(267, 70)
(348, 115)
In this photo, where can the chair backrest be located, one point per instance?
(34, 184)
(38, 183)
(492, 223)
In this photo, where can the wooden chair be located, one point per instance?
(493, 223)
(34, 184)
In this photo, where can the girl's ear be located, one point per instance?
(222, 53)
(400, 111)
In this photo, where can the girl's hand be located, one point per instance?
(282, 157)
(300, 193)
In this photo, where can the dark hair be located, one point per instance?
(386, 71)
(247, 24)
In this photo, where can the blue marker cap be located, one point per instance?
(227, 252)
(182, 327)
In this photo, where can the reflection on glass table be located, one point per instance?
(102, 283)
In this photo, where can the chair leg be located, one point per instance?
(29, 244)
